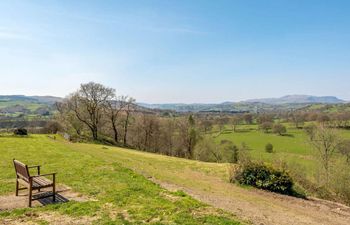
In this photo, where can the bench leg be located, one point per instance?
(54, 188)
(54, 193)
(17, 184)
(30, 196)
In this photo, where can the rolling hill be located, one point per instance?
(12, 106)
(9, 100)
(298, 99)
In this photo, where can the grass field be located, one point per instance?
(28, 105)
(293, 148)
(102, 173)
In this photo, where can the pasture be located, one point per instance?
(294, 148)
(120, 195)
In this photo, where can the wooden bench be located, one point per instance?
(35, 182)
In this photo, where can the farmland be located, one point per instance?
(293, 148)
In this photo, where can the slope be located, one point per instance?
(119, 195)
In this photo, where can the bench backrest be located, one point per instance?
(21, 170)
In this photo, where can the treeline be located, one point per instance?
(95, 111)
(297, 118)
(331, 119)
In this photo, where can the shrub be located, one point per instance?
(52, 127)
(266, 126)
(310, 130)
(279, 129)
(264, 177)
(207, 151)
(20, 131)
(230, 151)
(269, 148)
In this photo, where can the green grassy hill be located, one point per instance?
(103, 173)
(21, 107)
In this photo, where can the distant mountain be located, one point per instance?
(298, 99)
(32, 99)
(16, 103)
(254, 105)
(47, 99)
(228, 107)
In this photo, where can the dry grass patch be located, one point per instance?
(52, 218)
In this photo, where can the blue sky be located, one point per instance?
(177, 50)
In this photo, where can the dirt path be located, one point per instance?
(264, 208)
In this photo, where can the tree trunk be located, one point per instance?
(189, 148)
(126, 129)
(116, 135)
(94, 133)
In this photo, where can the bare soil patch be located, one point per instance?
(64, 194)
(49, 217)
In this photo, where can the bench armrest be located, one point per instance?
(44, 175)
(37, 166)
(34, 166)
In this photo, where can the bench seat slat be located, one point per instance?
(41, 182)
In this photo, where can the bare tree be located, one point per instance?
(128, 107)
(297, 119)
(323, 119)
(344, 149)
(265, 118)
(88, 103)
(342, 119)
(325, 141)
(235, 121)
(266, 126)
(207, 125)
(310, 130)
(188, 135)
(167, 136)
(114, 109)
(222, 121)
(68, 118)
(248, 118)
